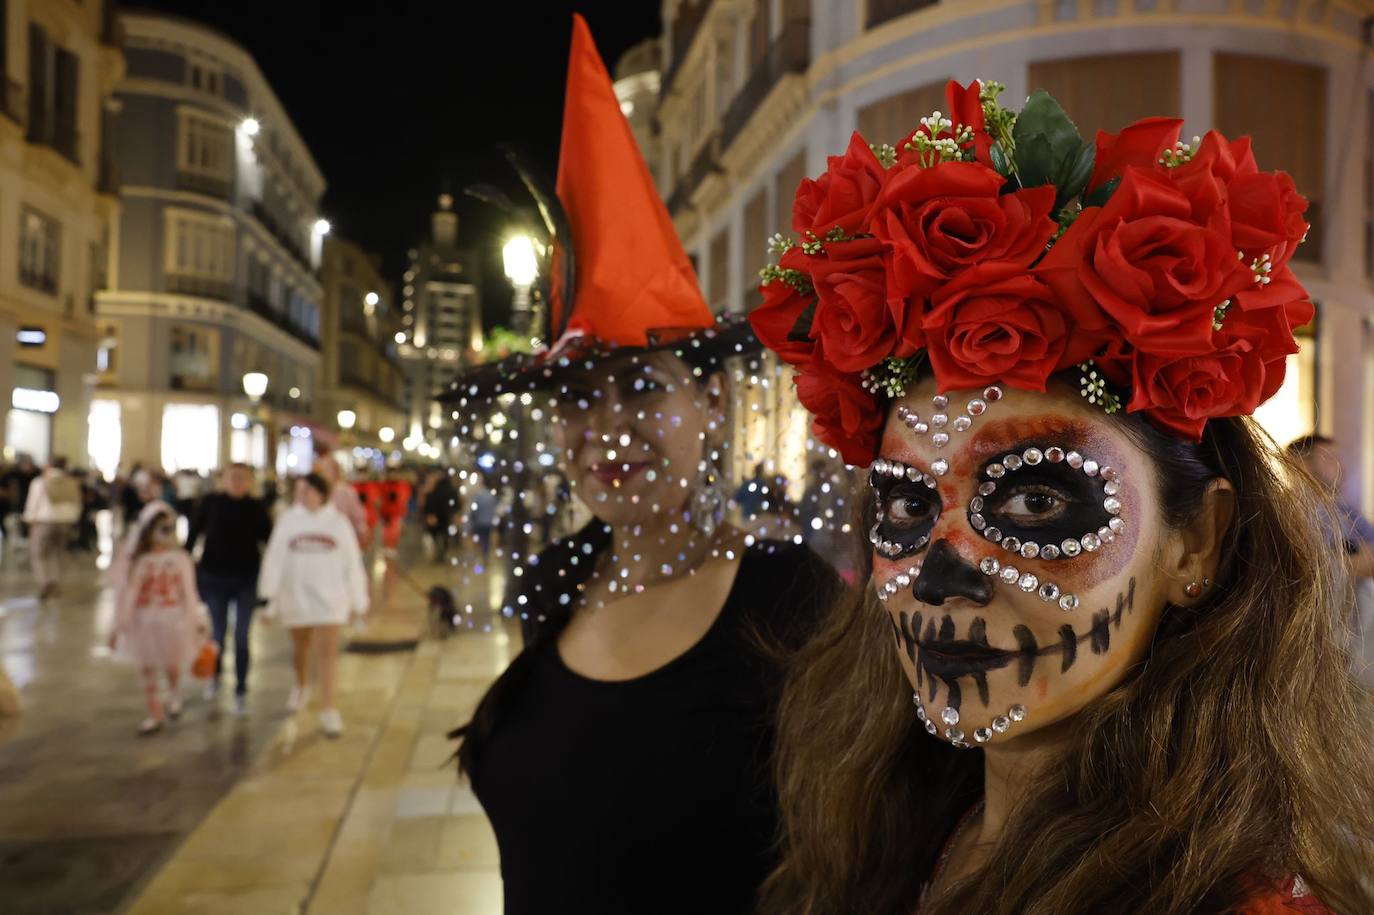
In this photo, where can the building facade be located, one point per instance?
(60, 61)
(756, 93)
(441, 315)
(360, 368)
(636, 85)
(215, 260)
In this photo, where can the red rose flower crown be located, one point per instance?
(998, 247)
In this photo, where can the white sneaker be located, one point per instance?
(240, 706)
(299, 696)
(331, 722)
(211, 690)
(149, 726)
(174, 707)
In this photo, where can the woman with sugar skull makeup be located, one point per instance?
(1099, 666)
(623, 757)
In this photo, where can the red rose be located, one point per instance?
(1269, 334)
(940, 221)
(854, 324)
(1206, 177)
(1143, 264)
(842, 195)
(965, 109)
(997, 323)
(1180, 393)
(845, 416)
(775, 320)
(1140, 145)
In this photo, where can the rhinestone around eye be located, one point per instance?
(878, 466)
(962, 423)
(1112, 488)
(1010, 574)
(987, 489)
(940, 439)
(1017, 713)
(921, 713)
(993, 534)
(1033, 456)
(1054, 454)
(1012, 462)
(950, 716)
(990, 566)
(1110, 475)
(1049, 551)
(1074, 460)
(1000, 724)
(955, 735)
(1028, 582)
(930, 482)
(938, 420)
(1068, 603)
(977, 407)
(1090, 542)
(1117, 525)
(1030, 550)
(975, 504)
(939, 401)
(1112, 505)
(1071, 547)
(1106, 534)
(940, 467)
(977, 521)
(1011, 544)
(913, 474)
(996, 471)
(1090, 468)
(1049, 591)
(982, 735)
(930, 726)
(992, 394)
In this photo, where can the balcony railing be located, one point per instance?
(691, 13)
(36, 279)
(707, 162)
(209, 185)
(205, 288)
(287, 239)
(259, 305)
(790, 53)
(880, 11)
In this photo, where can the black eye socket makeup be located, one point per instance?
(908, 506)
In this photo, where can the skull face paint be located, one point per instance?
(1046, 500)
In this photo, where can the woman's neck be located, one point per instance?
(648, 555)
(1009, 770)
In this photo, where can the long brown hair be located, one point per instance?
(1239, 749)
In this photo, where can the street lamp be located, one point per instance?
(255, 385)
(386, 434)
(250, 127)
(521, 269)
(322, 227)
(346, 419)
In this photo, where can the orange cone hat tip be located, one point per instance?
(633, 276)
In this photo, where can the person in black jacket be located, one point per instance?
(234, 527)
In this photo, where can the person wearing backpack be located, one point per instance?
(51, 509)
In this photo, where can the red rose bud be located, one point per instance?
(775, 321)
(1140, 145)
(846, 417)
(842, 195)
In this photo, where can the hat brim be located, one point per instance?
(524, 372)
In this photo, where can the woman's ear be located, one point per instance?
(1193, 552)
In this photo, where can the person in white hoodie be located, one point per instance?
(51, 510)
(313, 580)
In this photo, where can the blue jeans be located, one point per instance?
(218, 591)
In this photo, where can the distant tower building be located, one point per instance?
(636, 85)
(441, 314)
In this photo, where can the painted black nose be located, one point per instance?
(945, 575)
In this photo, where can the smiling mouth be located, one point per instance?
(613, 473)
(946, 659)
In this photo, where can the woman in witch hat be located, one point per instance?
(1100, 664)
(623, 756)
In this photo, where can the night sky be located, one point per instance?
(394, 101)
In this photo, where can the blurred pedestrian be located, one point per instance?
(343, 496)
(481, 512)
(396, 492)
(438, 504)
(16, 482)
(314, 581)
(51, 511)
(751, 493)
(160, 620)
(233, 526)
(187, 485)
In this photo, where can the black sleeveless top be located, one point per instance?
(652, 795)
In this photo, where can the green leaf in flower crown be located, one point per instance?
(1104, 191)
(1044, 138)
(801, 328)
(1000, 161)
(1075, 172)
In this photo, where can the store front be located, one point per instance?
(190, 437)
(33, 402)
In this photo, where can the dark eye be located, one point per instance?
(905, 510)
(645, 385)
(1033, 504)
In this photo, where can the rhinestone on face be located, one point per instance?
(996, 471)
(1012, 462)
(940, 439)
(940, 467)
(1090, 542)
(1106, 534)
(1109, 474)
(1074, 460)
(977, 407)
(990, 565)
(1017, 713)
(1112, 505)
(939, 401)
(930, 726)
(903, 580)
(1049, 551)
(913, 474)
(1068, 603)
(987, 489)
(1112, 488)
(1030, 550)
(982, 735)
(1000, 724)
(1071, 547)
(1011, 544)
(1054, 454)
(950, 716)
(1117, 525)
(1010, 574)
(1028, 582)
(955, 735)
(930, 482)
(920, 428)
(921, 714)
(975, 504)
(961, 423)
(938, 420)
(1033, 456)
(993, 534)
(1090, 468)
(992, 394)
(977, 521)
(1049, 591)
